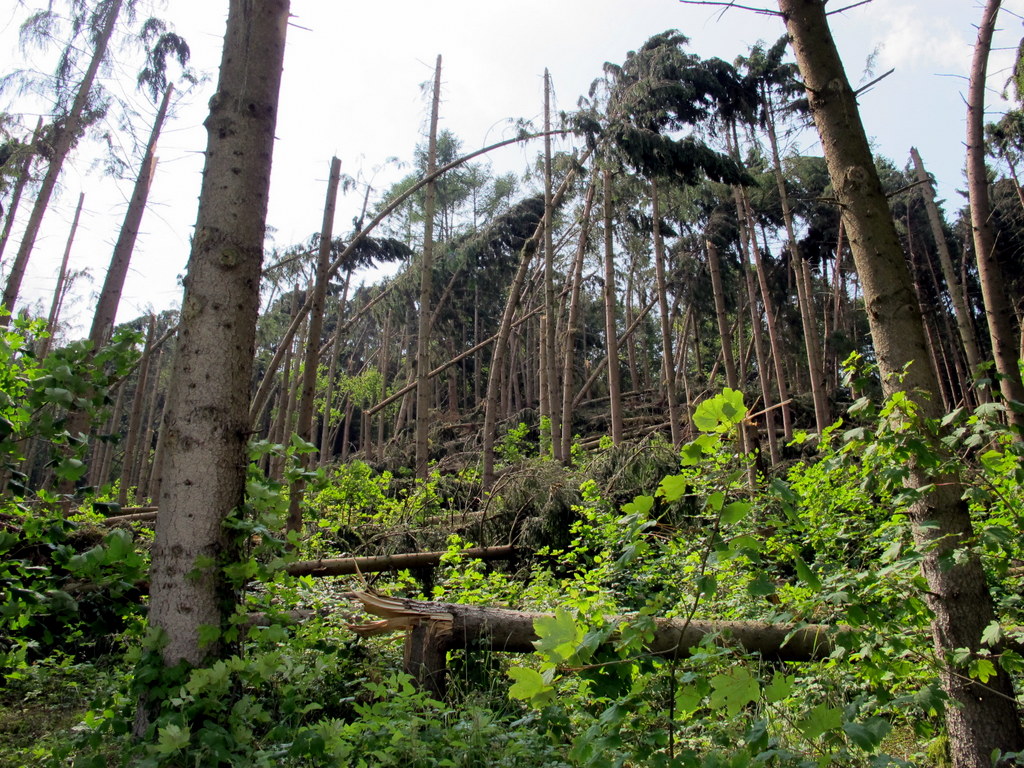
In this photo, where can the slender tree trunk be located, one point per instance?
(569, 350)
(980, 718)
(304, 428)
(19, 187)
(547, 358)
(332, 372)
(62, 273)
(110, 294)
(131, 444)
(956, 292)
(423, 383)
(65, 137)
(998, 310)
(145, 470)
(667, 367)
(611, 312)
(207, 420)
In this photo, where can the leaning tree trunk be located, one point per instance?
(998, 311)
(62, 274)
(207, 420)
(956, 291)
(64, 139)
(611, 339)
(110, 294)
(423, 383)
(304, 428)
(980, 718)
(668, 369)
(23, 175)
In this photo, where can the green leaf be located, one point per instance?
(59, 395)
(528, 684)
(779, 688)
(734, 690)
(641, 505)
(869, 734)
(673, 487)
(736, 511)
(688, 698)
(715, 501)
(819, 720)
(558, 635)
(172, 738)
(992, 635)
(761, 586)
(982, 669)
(806, 574)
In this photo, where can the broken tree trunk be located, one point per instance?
(433, 629)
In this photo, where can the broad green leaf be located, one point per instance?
(992, 634)
(688, 698)
(528, 683)
(761, 586)
(735, 511)
(559, 635)
(982, 669)
(673, 487)
(806, 574)
(734, 690)
(172, 738)
(59, 395)
(819, 720)
(715, 501)
(641, 505)
(869, 734)
(779, 688)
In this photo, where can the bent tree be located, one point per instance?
(206, 423)
(980, 718)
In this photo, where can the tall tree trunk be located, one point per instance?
(610, 313)
(110, 294)
(62, 273)
(19, 186)
(423, 383)
(667, 366)
(812, 343)
(304, 428)
(980, 718)
(150, 418)
(131, 444)
(956, 292)
(548, 356)
(569, 349)
(65, 137)
(332, 372)
(998, 311)
(207, 420)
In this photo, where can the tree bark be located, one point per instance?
(63, 141)
(611, 313)
(423, 382)
(207, 419)
(304, 429)
(667, 366)
(550, 324)
(980, 718)
(956, 292)
(62, 273)
(19, 187)
(998, 311)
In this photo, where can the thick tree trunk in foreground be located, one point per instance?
(981, 718)
(63, 141)
(206, 424)
(998, 310)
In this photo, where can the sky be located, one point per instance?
(353, 87)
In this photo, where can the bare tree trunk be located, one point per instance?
(569, 350)
(62, 273)
(145, 470)
(110, 295)
(998, 311)
(548, 348)
(131, 445)
(304, 429)
(207, 419)
(980, 718)
(668, 369)
(956, 291)
(65, 137)
(610, 313)
(423, 383)
(19, 186)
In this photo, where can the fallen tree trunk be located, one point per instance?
(433, 629)
(346, 566)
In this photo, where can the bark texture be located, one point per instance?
(206, 424)
(981, 718)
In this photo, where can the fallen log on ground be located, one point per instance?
(433, 629)
(347, 566)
